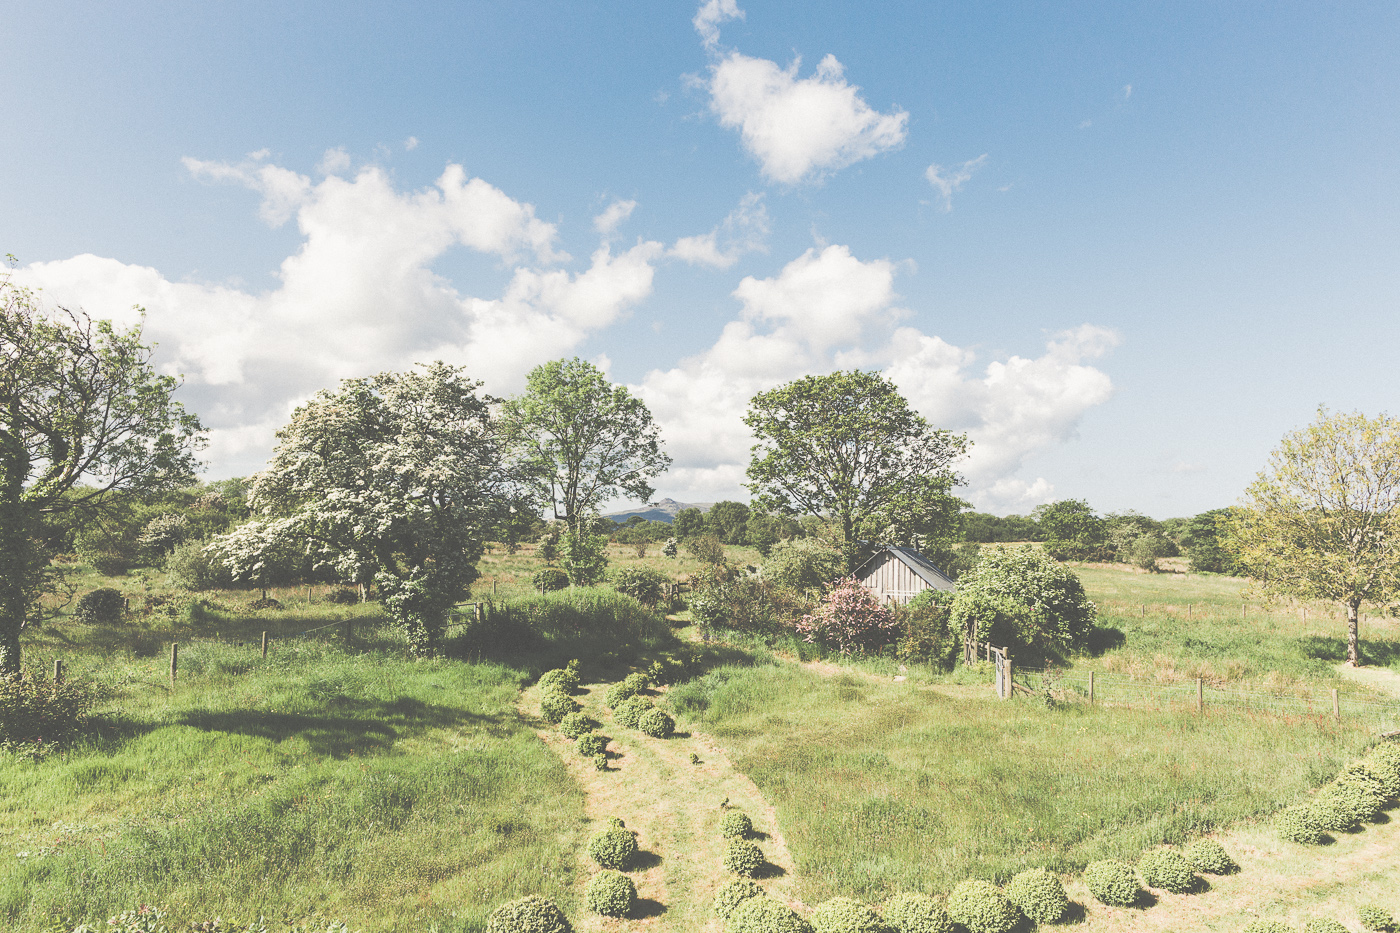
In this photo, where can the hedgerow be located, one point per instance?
(765, 915)
(630, 711)
(743, 857)
(576, 724)
(734, 893)
(554, 706)
(1296, 824)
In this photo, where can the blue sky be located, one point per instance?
(1126, 249)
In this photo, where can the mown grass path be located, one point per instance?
(674, 807)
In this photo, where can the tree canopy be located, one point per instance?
(1020, 598)
(1323, 520)
(848, 446)
(1072, 531)
(83, 417)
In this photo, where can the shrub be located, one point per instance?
(190, 567)
(1039, 894)
(576, 724)
(1385, 774)
(925, 635)
(342, 595)
(743, 857)
(1021, 598)
(563, 679)
(1267, 926)
(550, 579)
(642, 584)
(1375, 780)
(618, 694)
(849, 619)
(734, 893)
(101, 607)
(1376, 918)
(656, 723)
(629, 712)
(765, 915)
(1209, 857)
(39, 713)
(1112, 882)
(916, 913)
(1296, 824)
(981, 907)
(610, 893)
(554, 706)
(638, 681)
(613, 848)
(528, 915)
(1342, 807)
(1324, 925)
(1386, 760)
(591, 744)
(600, 761)
(845, 915)
(1168, 870)
(736, 824)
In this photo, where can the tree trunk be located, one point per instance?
(16, 561)
(1353, 639)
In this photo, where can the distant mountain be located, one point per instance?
(662, 510)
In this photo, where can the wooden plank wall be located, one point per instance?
(892, 579)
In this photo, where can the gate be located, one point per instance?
(1003, 679)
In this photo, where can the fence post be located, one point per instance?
(1091, 688)
(1336, 706)
(264, 645)
(1144, 610)
(1244, 610)
(57, 671)
(174, 660)
(1188, 612)
(348, 630)
(476, 612)
(1200, 696)
(1010, 680)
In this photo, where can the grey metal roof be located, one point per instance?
(916, 562)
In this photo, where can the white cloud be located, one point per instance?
(618, 211)
(711, 15)
(410, 144)
(799, 129)
(334, 162)
(359, 296)
(1127, 91)
(743, 231)
(946, 181)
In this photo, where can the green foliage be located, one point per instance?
(638, 682)
(1039, 895)
(765, 915)
(1324, 925)
(619, 693)
(1267, 926)
(1205, 541)
(803, 564)
(190, 567)
(733, 893)
(671, 549)
(1297, 824)
(656, 723)
(1112, 882)
(726, 520)
(614, 847)
(1018, 598)
(1381, 782)
(743, 857)
(916, 913)
(1072, 531)
(1376, 918)
(643, 584)
(600, 761)
(528, 915)
(1343, 806)
(739, 602)
(1209, 857)
(101, 607)
(688, 523)
(584, 556)
(37, 715)
(735, 825)
(554, 706)
(630, 711)
(985, 528)
(610, 893)
(574, 725)
(705, 548)
(849, 619)
(846, 915)
(1384, 760)
(591, 744)
(1168, 870)
(563, 679)
(981, 907)
(926, 633)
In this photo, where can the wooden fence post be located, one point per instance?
(1244, 610)
(57, 671)
(1188, 612)
(1144, 610)
(348, 630)
(1091, 688)
(174, 660)
(264, 645)
(1010, 680)
(1336, 706)
(1200, 696)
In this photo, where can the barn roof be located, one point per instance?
(916, 562)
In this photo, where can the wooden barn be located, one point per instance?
(898, 574)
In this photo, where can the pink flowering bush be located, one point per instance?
(849, 619)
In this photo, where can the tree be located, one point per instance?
(582, 439)
(726, 521)
(80, 403)
(1204, 538)
(688, 523)
(847, 445)
(1072, 531)
(393, 480)
(1323, 520)
(1020, 598)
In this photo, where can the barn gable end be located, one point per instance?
(898, 574)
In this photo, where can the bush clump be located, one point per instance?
(1376, 918)
(610, 893)
(600, 761)
(101, 607)
(845, 915)
(618, 694)
(563, 679)
(1385, 758)
(731, 895)
(576, 724)
(981, 907)
(528, 915)
(1112, 882)
(735, 825)
(614, 848)
(37, 713)
(1296, 824)
(916, 913)
(1324, 925)
(637, 682)
(554, 706)
(765, 915)
(1385, 780)
(1267, 926)
(743, 857)
(1168, 870)
(629, 712)
(1209, 857)
(656, 723)
(1039, 895)
(590, 744)
(550, 579)
(1343, 806)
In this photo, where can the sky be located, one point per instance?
(1124, 247)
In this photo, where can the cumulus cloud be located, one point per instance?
(359, 296)
(711, 15)
(829, 310)
(743, 231)
(948, 180)
(618, 211)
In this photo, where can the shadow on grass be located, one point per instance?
(1326, 648)
(644, 860)
(768, 870)
(1075, 912)
(646, 907)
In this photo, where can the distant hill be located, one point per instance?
(662, 510)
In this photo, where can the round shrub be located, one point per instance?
(982, 908)
(1385, 758)
(528, 915)
(591, 744)
(1112, 882)
(656, 723)
(1296, 824)
(576, 724)
(1267, 926)
(618, 694)
(845, 915)
(916, 913)
(1209, 857)
(638, 681)
(1376, 918)
(554, 706)
(1341, 807)
(1324, 925)
(731, 895)
(1379, 774)
(1168, 870)
(1039, 894)
(610, 893)
(101, 607)
(630, 711)
(613, 848)
(562, 679)
(743, 857)
(735, 825)
(765, 915)
(550, 578)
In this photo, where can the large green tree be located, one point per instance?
(583, 440)
(1323, 520)
(83, 418)
(848, 446)
(1072, 531)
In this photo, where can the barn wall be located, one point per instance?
(891, 578)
